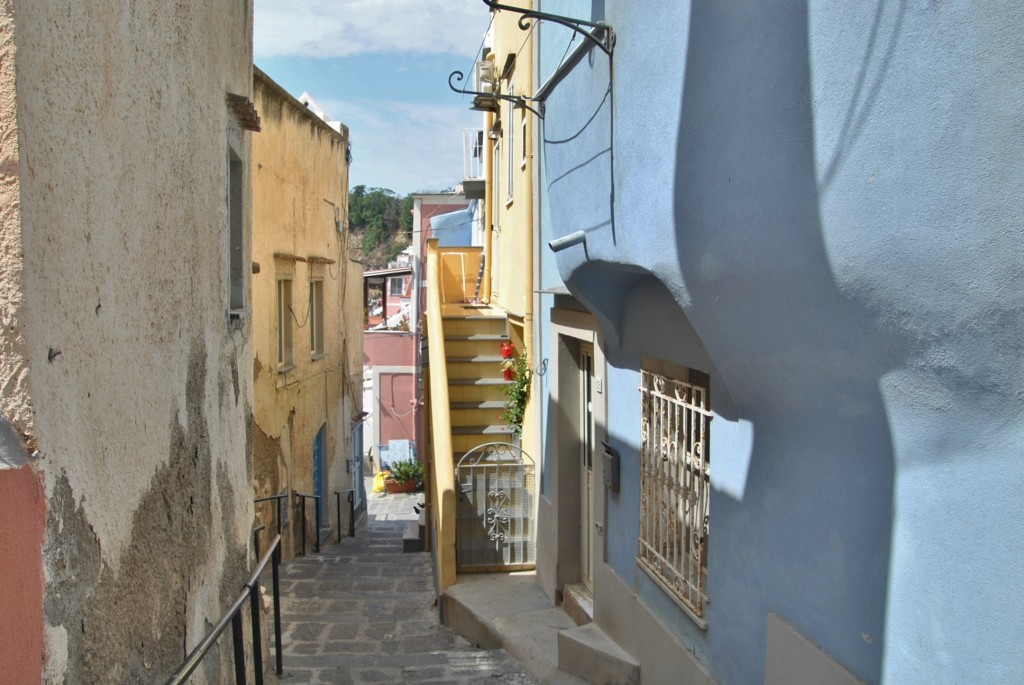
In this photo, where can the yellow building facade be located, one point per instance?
(307, 319)
(482, 419)
(508, 225)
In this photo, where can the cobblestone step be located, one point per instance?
(363, 612)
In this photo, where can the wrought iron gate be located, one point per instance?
(495, 529)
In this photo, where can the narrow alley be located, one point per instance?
(362, 611)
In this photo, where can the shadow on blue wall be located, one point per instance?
(801, 360)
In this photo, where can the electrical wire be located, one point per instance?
(572, 39)
(479, 50)
(533, 27)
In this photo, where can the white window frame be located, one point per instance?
(675, 484)
(511, 151)
(285, 352)
(392, 280)
(496, 173)
(522, 137)
(316, 318)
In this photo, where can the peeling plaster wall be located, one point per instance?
(15, 403)
(300, 190)
(22, 495)
(138, 388)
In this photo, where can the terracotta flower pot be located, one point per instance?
(392, 486)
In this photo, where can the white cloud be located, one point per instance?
(341, 28)
(407, 147)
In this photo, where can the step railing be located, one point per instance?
(351, 511)
(441, 465)
(233, 617)
(277, 499)
(316, 539)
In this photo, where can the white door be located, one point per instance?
(586, 463)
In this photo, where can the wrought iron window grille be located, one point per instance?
(675, 489)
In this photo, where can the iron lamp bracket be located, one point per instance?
(481, 96)
(597, 32)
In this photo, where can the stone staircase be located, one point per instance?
(513, 613)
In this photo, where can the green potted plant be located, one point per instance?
(405, 476)
(517, 370)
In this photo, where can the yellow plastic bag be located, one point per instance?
(378, 481)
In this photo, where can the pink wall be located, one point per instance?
(23, 517)
(388, 349)
(397, 416)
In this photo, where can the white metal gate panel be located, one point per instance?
(495, 528)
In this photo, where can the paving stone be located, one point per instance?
(343, 631)
(363, 612)
(307, 631)
(336, 676)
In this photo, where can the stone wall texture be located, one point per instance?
(122, 371)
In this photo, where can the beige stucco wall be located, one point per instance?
(125, 371)
(300, 189)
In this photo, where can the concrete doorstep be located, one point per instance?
(511, 611)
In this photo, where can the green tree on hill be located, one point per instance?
(382, 219)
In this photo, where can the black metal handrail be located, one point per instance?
(351, 511)
(277, 513)
(316, 539)
(256, 538)
(234, 617)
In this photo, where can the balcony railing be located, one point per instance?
(473, 154)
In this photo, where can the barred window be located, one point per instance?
(675, 486)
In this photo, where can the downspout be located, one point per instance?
(489, 217)
(529, 304)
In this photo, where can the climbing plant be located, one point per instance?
(516, 392)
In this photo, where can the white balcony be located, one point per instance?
(473, 183)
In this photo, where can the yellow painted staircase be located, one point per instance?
(472, 338)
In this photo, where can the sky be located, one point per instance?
(380, 67)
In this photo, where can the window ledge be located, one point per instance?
(240, 313)
(317, 357)
(701, 621)
(285, 368)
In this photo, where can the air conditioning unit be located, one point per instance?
(483, 77)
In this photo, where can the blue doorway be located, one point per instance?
(318, 472)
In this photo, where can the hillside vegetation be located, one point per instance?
(381, 222)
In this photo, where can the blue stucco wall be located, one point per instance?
(454, 229)
(822, 207)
